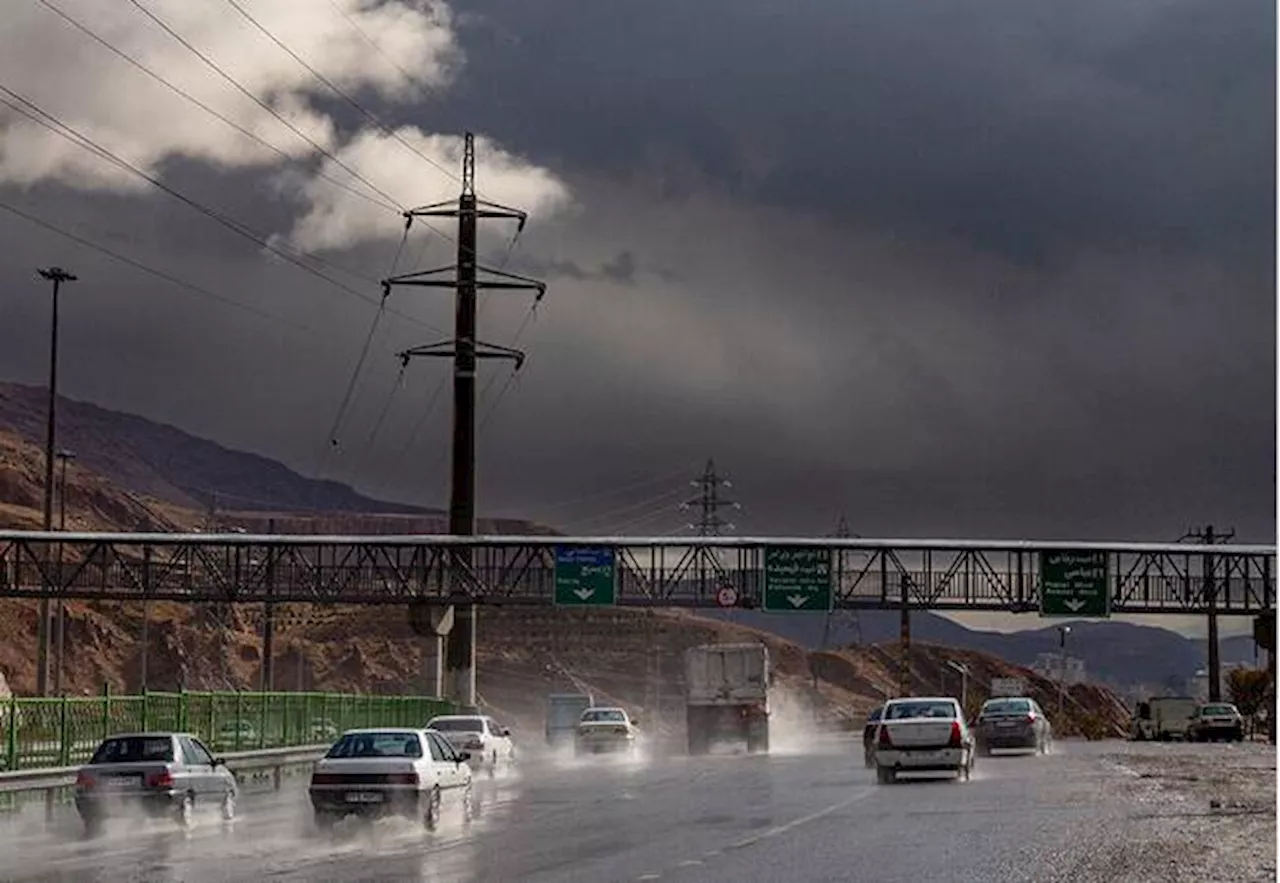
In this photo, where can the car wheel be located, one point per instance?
(92, 825)
(431, 816)
(229, 805)
(470, 807)
(184, 815)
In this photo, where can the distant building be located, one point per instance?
(1056, 667)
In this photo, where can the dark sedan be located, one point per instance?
(1012, 722)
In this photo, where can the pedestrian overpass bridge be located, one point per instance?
(789, 574)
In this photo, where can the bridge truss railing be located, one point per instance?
(936, 574)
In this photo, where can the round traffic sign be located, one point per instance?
(727, 596)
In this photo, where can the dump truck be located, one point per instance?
(727, 696)
(564, 710)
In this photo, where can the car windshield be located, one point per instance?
(1007, 706)
(1218, 709)
(904, 710)
(355, 745)
(604, 714)
(134, 749)
(457, 725)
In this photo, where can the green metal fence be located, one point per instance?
(65, 731)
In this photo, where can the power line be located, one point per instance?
(161, 274)
(268, 108)
(63, 130)
(367, 114)
(209, 110)
(332, 438)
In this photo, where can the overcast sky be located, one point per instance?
(997, 270)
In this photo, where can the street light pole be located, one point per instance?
(1063, 631)
(61, 638)
(57, 276)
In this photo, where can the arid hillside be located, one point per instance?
(632, 657)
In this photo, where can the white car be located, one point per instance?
(391, 771)
(604, 729)
(488, 744)
(918, 735)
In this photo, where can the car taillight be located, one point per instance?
(955, 735)
(84, 781)
(402, 779)
(160, 780)
(323, 779)
(1031, 718)
(883, 739)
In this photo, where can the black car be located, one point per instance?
(869, 736)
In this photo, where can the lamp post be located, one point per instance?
(61, 636)
(964, 683)
(1063, 631)
(57, 276)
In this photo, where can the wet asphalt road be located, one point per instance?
(794, 815)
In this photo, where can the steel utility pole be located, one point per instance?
(709, 502)
(61, 634)
(57, 276)
(1208, 567)
(710, 524)
(465, 349)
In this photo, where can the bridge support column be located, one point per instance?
(460, 659)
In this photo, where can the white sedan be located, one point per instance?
(390, 771)
(604, 729)
(922, 735)
(480, 735)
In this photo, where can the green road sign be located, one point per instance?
(585, 576)
(797, 578)
(1074, 583)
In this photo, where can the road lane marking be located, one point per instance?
(803, 820)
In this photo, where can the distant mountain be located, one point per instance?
(135, 458)
(165, 463)
(1119, 653)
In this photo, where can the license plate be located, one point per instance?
(364, 797)
(1007, 724)
(121, 783)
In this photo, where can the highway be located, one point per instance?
(799, 814)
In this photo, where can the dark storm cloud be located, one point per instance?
(1017, 126)
(998, 270)
(621, 269)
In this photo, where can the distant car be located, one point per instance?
(480, 736)
(926, 734)
(604, 729)
(1012, 722)
(237, 735)
(392, 771)
(322, 730)
(164, 774)
(869, 736)
(1214, 721)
